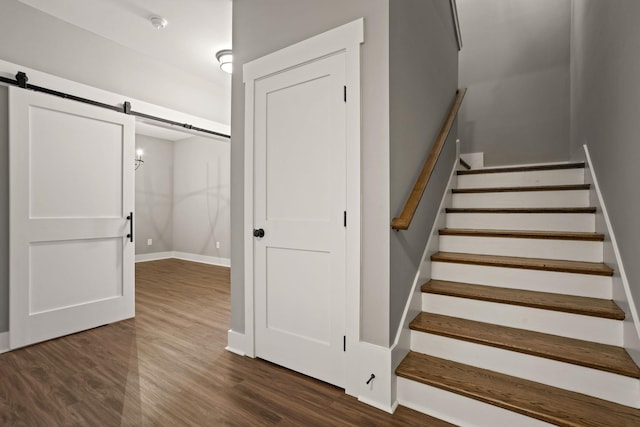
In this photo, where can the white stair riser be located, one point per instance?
(592, 382)
(522, 199)
(522, 179)
(572, 250)
(586, 328)
(457, 409)
(522, 221)
(519, 278)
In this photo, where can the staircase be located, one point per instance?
(517, 325)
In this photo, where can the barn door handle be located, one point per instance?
(130, 235)
(258, 233)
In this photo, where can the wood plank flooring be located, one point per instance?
(168, 367)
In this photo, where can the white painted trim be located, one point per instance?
(203, 259)
(345, 38)
(380, 392)
(4, 342)
(235, 342)
(9, 70)
(475, 160)
(424, 272)
(155, 256)
(402, 342)
(631, 337)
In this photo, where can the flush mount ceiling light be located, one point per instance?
(158, 22)
(225, 58)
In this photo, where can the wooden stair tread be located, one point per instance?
(550, 235)
(524, 188)
(543, 402)
(523, 168)
(544, 300)
(575, 210)
(580, 267)
(584, 353)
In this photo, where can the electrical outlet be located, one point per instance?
(217, 245)
(149, 242)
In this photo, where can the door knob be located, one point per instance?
(258, 232)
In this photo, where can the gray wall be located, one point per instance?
(154, 196)
(34, 39)
(605, 67)
(182, 196)
(261, 27)
(423, 81)
(201, 204)
(515, 63)
(4, 209)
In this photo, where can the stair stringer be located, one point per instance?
(621, 291)
(402, 343)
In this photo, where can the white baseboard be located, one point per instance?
(236, 342)
(621, 290)
(154, 256)
(203, 259)
(4, 342)
(380, 392)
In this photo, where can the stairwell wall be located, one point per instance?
(515, 64)
(605, 100)
(423, 70)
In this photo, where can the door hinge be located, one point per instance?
(344, 343)
(345, 218)
(345, 94)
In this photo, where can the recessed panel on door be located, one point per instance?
(298, 298)
(56, 269)
(298, 151)
(71, 161)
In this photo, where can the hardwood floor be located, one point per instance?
(168, 367)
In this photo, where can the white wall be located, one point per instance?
(154, 196)
(515, 63)
(201, 197)
(605, 68)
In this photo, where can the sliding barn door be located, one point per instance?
(71, 191)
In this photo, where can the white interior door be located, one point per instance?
(71, 191)
(299, 202)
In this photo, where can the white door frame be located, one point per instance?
(346, 38)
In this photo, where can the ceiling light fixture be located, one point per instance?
(225, 58)
(158, 22)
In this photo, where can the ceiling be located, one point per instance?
(197, 29)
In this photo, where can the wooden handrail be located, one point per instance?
(404, 220)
